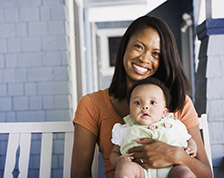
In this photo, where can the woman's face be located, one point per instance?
(142, 55)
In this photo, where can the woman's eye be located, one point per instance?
(139, 46)
(156, 54)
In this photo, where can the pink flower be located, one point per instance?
(152, 127)
(167, 125)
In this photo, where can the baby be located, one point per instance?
(149, 100)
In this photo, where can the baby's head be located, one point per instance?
(149, 100)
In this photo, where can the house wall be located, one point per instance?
(35, 76)
(210, 87)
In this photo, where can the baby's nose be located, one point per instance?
(144, 108)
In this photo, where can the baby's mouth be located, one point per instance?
(145, 115)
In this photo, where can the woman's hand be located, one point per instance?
(155, 154)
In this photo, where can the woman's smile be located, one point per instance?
(140, 69)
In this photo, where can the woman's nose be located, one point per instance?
(146, 57)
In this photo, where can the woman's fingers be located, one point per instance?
(142, 161)
(145, 141)
(135, 149)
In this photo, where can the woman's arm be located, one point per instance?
(200, 166)
(157, 154)
(83, 152)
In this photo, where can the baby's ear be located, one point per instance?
(165, 110)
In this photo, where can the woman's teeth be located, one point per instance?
(140, 69)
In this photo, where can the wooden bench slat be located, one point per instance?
(205, 134)
(67, 154)
(46, 155)
(25, 141)
(10, 160)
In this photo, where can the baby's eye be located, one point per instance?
(153, 102)
(137, 102)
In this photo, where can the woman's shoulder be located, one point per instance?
(97, 96)
(94, 101)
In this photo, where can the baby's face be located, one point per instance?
(147, 104)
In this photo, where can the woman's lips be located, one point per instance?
(139, 69)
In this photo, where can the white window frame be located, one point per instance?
(104, 35)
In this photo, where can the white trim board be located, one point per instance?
(122, 12)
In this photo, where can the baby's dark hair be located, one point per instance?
(153, 81)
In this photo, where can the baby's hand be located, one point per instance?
(126, 158)
(191, 152)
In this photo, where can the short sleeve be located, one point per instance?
(86, 114)
(118, 133)
(182, 130)
(187, 115)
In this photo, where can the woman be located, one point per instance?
(147, 49)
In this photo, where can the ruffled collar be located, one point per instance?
(162, 123)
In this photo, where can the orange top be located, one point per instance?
(95, 113)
